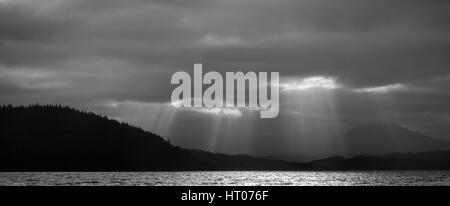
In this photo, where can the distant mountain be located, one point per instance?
(375, 139)
(435, 160)
(385, 138)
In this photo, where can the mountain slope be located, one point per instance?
(54, 138)
(435, 160)
(385, 138)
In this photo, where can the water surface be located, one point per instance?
(389, 178)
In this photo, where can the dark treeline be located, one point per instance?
(48, 138)
(57, 138)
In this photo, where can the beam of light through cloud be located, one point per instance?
(312, 117)
(215, 132)
(155, 117)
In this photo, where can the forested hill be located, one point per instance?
(55, 138)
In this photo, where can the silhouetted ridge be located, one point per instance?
(434, 160)
(50, 137)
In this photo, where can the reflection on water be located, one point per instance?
(228, 178)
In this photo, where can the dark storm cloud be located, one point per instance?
(369, 15)
(338, 38)
(294, 37)
(23, 24)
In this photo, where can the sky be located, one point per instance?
(341, 63)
